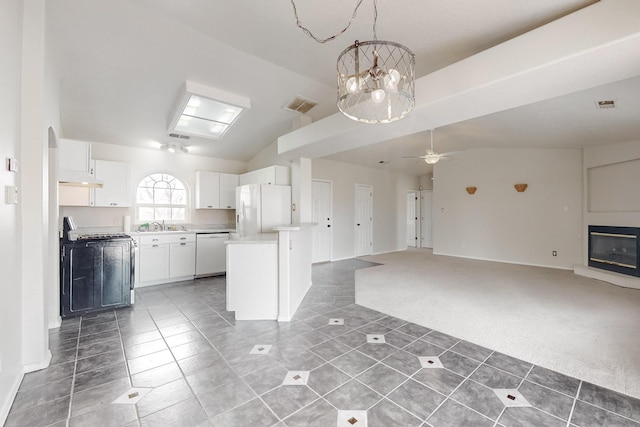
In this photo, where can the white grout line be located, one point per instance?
(75, 366)
(573, 406)
(126, 366)
(468, 377)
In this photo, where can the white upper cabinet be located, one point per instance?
(207, 190)
(228, 184)
(272, 175)
(74, 160)
(115, 191)
(215, 190)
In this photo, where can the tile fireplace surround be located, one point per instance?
(179, 359)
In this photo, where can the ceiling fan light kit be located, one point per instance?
(430, 157)
(376, 79)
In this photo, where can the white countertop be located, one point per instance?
(295, 227)
(188, 231)
(262, 238)
(144, 233)
(212, 230)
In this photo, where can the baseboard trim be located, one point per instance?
(555, 267)
(38, 365)
(13, 391)
(56, 323)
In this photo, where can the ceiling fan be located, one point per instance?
(431, 157)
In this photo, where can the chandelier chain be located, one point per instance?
(353, 16)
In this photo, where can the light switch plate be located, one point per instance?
(11, 194)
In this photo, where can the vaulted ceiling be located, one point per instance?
(121, 64)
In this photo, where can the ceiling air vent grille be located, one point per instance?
(300, 104)
(177, 135)
(605, 105)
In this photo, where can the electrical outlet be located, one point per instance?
(555, 253)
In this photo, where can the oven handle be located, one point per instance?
(134, 249)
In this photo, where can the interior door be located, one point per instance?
(321, 192)
(364, 220)
(426, 218)
(412, 219)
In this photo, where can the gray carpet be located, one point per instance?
(578, 326)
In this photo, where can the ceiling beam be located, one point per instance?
(594, 46)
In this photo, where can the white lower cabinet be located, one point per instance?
(154, 262)
(182, 259)
(165, 257)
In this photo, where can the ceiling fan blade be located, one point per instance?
(413, 157)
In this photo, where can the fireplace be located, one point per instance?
(615, 249)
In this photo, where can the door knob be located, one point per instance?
(328, 225)
(358, 225)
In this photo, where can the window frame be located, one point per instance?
(181, 185)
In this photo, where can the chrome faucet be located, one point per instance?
(158, 226)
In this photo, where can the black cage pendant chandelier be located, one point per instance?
(376, 78)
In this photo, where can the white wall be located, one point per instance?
(10, 263)
(612, 155)
(389, 205)
(267, 157)
(499, 224)
(143, 162)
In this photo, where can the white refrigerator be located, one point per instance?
(259, 207)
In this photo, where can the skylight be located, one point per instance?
(206, 112)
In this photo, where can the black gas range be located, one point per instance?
(96, 270)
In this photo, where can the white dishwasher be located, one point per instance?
(211, 255)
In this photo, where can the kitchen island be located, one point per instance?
(268, 274)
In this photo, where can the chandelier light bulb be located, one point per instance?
(392, 79)
(394, 75)
(171, 149)
(352, 84)
(378, 95)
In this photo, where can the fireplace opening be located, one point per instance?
(615, 249)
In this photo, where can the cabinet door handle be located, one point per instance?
(209, 206)
(155, 240)
(183, 244)
(154, 246)
(183, 238)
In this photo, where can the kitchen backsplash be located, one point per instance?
(114, 217)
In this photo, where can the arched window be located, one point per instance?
(161, 196)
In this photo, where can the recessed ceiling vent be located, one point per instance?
(300, 104)
(605, 105)
(177, 135)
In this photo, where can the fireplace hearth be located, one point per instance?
(615, 249)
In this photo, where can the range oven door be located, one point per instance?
(95, 276)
